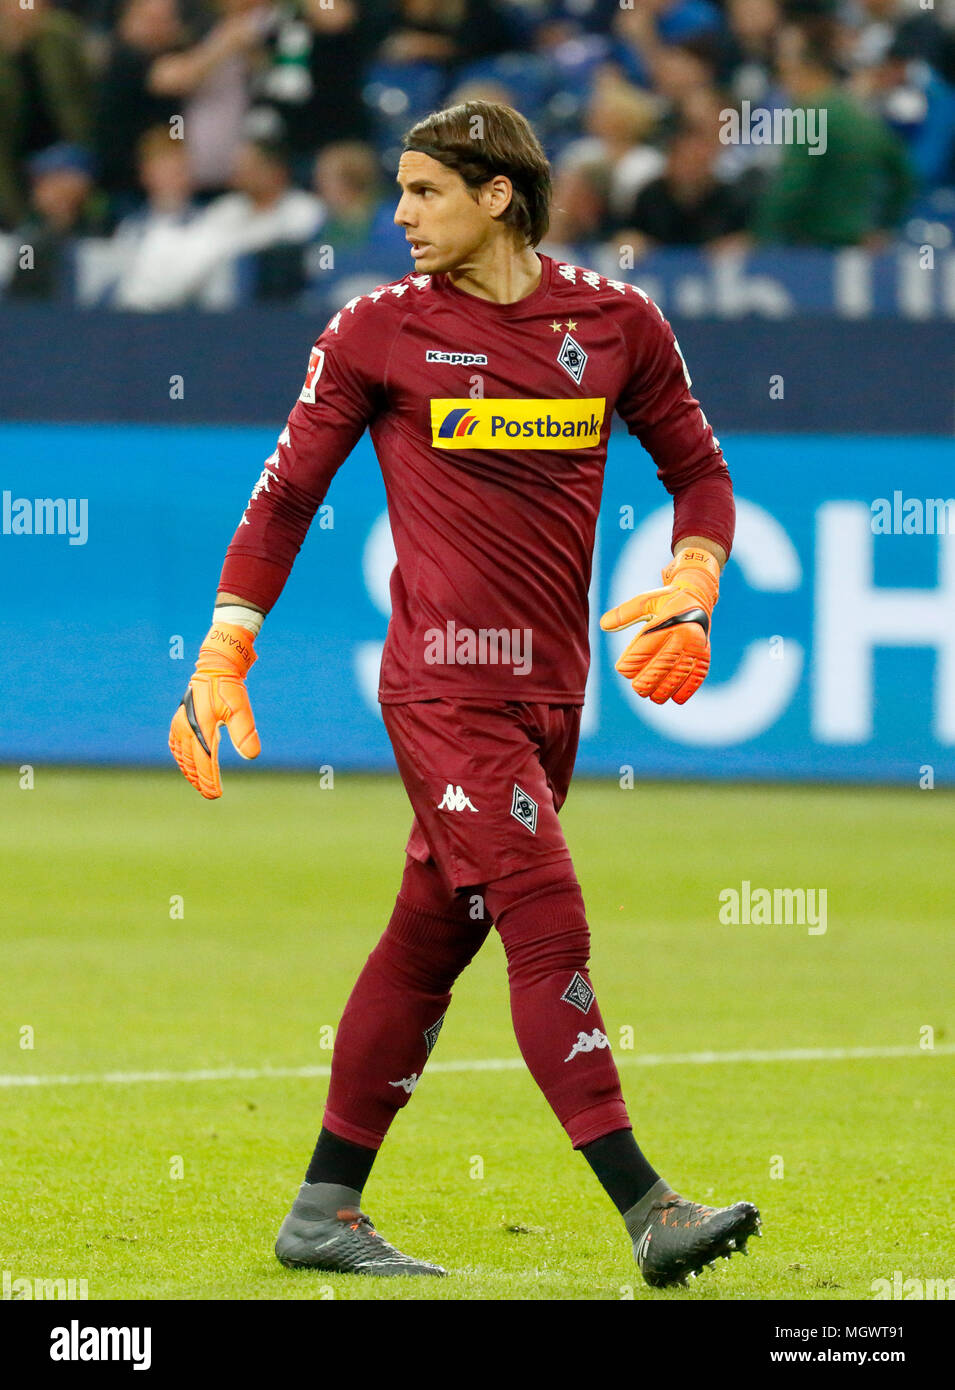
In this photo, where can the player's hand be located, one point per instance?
(670, 656)
(216, 695)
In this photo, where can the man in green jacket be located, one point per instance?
(854, 187)
(45, 93)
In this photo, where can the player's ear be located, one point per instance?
(498, 192)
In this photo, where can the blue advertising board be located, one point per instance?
(833, 641)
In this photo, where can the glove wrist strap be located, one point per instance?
(698, 570)
(229, 644)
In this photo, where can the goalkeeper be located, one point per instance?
(488, 377)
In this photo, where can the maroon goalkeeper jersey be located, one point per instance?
(490, 423)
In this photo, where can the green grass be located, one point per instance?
(285, 889)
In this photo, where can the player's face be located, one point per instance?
(440, 217)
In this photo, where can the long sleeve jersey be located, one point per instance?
(490, 423)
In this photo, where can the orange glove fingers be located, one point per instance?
(192, 727)
(216, 695)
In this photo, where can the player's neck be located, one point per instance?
(500, 274)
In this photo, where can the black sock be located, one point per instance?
(621, 1168)
(340, 1161)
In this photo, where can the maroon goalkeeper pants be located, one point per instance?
(486, 783)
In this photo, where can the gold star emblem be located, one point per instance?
(571, 326)
(555, 327)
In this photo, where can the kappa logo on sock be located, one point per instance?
(431, 1034)
(524, 809)
(408, 1084)
(578, 993)
(586, 1042)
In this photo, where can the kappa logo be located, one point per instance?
(572, 358)
(408, 1084)
(524, 809)
(456, 359)
(316, 361)
(586, 1042)
(578, 993)
(431, 1034)
(455, 799)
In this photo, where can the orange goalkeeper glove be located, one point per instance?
(669, 658)
(216, 695)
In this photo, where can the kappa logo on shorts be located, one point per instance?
(454, 799)
(431, 1034)
(524, 809)
(408, 1083)
(578, 993)
(587, 1042)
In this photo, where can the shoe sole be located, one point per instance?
(732, 1242)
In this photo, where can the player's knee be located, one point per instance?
(539, 914)
(428, 951)
(516, 893)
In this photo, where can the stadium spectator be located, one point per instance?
(211, 82)
(652, 27)
(747, 68)
(918, 34)
(446, 32)
(145, 239)
(348, 183)
(579, 213)
(917, 103)
(856, 192)
(45, 94)
(312, 73)
(620, 123)
(126, 106)
(688, 205)
(60, 185)
(681, 72)
(198, 261)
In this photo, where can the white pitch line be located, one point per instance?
(644, 1059)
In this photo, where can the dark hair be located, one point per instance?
(817, 35)
(479, 139)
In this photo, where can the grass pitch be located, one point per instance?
(146, 931)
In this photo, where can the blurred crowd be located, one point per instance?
(205, 152)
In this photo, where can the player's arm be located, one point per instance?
(337, 400)
(670, 655)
